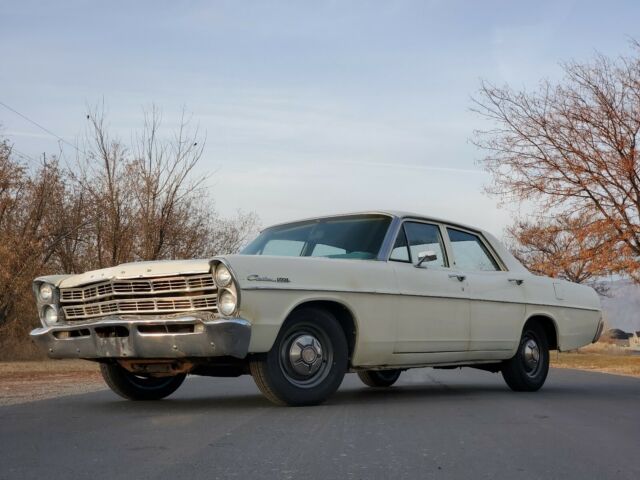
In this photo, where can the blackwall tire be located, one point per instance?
(307, 362)
(379, 378)
(134, 387)
(528, 369)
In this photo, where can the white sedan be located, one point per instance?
(374, 293)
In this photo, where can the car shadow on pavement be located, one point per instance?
(194, 404)
(363, 396)
(406, 394)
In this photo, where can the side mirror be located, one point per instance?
(428, 256)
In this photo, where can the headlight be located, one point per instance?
(223, 275)
(50, 315)
(227, 303)
(46, 292)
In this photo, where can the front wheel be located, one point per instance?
(379, 378)
(528, 369)
(307, 361)
(136, 387)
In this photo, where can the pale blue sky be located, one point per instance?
(309, 107)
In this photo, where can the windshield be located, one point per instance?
(357, 237)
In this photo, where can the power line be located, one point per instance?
(40, 126)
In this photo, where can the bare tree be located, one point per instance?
(148, 201)
(103, 178)
(145, 201)
(72, 211)
(228, 235)
(29, 236)
(572, 147)
(165, 189)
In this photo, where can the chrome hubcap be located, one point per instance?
(531, 354)
(305, 355)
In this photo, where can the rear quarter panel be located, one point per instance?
(574, 309)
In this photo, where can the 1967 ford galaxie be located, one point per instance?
(306, 302)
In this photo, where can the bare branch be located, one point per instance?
(571, 147)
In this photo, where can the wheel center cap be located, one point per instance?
(535, 354)
(305, 355)
(531, 353)
(309, 355)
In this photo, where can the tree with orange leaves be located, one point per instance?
(572, 149)
(571, 247)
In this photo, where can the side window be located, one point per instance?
(423, 237)
(470, 253)
(284, 248)
(400, 252)
(322, 250)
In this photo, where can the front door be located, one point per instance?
(433, 305)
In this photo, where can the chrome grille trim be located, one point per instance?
(145, 286)
(140, 296)
(141, 306)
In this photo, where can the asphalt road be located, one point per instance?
(433, 424)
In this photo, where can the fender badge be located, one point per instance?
(259, 278)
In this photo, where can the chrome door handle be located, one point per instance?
(459, 276)
(517, 281)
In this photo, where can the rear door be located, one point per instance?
(497, 297)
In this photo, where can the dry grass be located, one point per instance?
(599, 358)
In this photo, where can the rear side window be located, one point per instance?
(469, 253)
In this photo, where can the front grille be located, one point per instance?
(140, 296)
(184, 283)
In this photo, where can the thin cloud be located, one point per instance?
(432, 168)
(14, 133)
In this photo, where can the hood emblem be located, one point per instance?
(259, 278)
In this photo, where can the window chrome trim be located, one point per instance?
(444, 239)
(489, 248)
(398, 222)
(401, 231)
(389, 239)
(383, 251)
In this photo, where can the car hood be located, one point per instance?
(159, 268)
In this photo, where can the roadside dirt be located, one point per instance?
(22, 382)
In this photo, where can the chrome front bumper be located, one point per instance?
(182, 336)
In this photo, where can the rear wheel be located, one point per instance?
(528, 369)
(307, 361)
(135, 387)
(379, 378)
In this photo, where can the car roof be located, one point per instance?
(392, 213)
(505, 256)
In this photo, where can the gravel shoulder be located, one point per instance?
(22, 382)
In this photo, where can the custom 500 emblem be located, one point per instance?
(260, 278)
